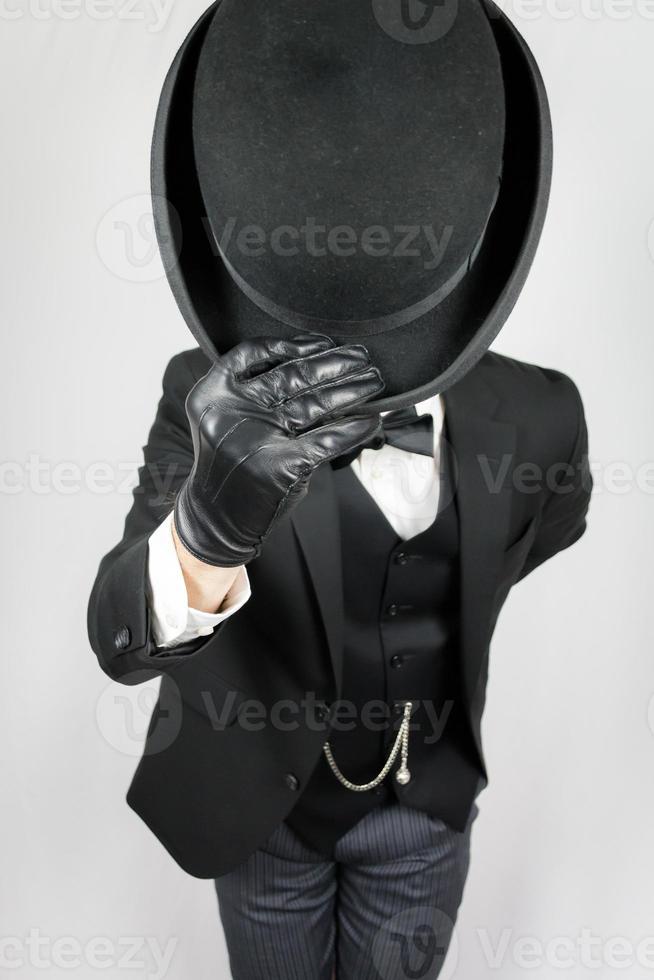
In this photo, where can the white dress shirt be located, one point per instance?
(405, 486)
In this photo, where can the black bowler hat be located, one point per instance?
(374, 170)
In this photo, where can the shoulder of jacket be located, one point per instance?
(542, 402)
(520, 383)
(185, 368)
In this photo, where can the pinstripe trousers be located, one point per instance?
(383, 908)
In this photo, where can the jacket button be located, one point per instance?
(392, 610)
(292, 781)
(322, 712)
(397, 661)
(122, 638)
(401, 558)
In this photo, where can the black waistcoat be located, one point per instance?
(401, 605)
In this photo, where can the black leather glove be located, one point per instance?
(262, 420)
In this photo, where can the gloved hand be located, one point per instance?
(262, 421)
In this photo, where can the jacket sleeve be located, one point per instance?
(119, 624)
(563, 518)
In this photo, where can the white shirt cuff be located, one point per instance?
(173, 620)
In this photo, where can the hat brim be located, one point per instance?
(417, 359)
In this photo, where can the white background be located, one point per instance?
(564, 841)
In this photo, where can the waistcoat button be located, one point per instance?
(397, 661)
(401, 558)
(392, 610)
(322, 711)
(292, 781)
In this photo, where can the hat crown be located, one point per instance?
(424, 348)
(347, 174)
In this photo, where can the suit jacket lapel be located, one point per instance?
(483, 450)
(317, 527)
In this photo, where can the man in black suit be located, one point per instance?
(332, 512)
(221, 788)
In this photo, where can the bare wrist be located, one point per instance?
(207, 586)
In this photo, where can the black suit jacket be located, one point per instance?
(238, 730)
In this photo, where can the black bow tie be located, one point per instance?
(404, 429)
